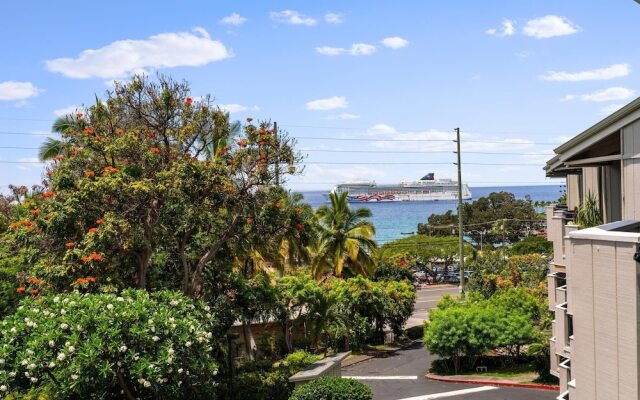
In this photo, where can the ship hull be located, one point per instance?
(389, 198)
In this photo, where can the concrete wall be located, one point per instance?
(573, 191)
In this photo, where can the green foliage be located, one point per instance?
(532, 245)
(332, 388)
(588, 213)
(392, 272)
(469, 327)
(159, 346)
(492, 272)
(494, 218)
(345, 239)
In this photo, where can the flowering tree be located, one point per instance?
(150, 181)
(136, 345)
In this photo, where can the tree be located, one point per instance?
(532, 245)
(492, 272)
(494, 219)
(136, 192)
(345, 239)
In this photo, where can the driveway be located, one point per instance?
(401, 375)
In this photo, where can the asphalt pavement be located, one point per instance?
(400, 375)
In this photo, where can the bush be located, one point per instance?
(390, 272)
(153, 346)
(332, 388)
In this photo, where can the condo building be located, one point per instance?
(594, 277)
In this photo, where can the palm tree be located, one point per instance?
(51, 147)
(222, 133)
(345, 240)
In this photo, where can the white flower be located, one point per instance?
(180, 370)
(147, 384)
(188, 344)
(174, 302)
(215, 372)
(63, 311)
(56, 299)
(73, 303)
(13, 330)
(169, 360)
(24, 362)
(61, 356)
(209, 335)
(34, 380)
(26, 319)
(3, 388)
(109, 306)
(74, 377)
(171, 350)
(31, 366)
(12, 374)
(155, 338)
(119, 299)
(52, 364)
(179, 383)
(51, 343)
(30, 352)
(71, 349)
(123, 348)
(1, 361)
(63, 326)
(27, 374)
(207, 308)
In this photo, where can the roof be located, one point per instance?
(598, 131)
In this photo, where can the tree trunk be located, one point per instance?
(249, 341)
(143, 264)
(286, 330)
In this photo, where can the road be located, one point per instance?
(427, 299)
(401, 375)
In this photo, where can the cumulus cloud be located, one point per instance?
(549, 26)
(233, 19)
(609, 94)
(506, 29)
(13, 90)
(124, 57)
(381, 129)
(357, 49)
(330, 103)
(291, 17)
(233, 108)
(334, 18)
(343, 117)
(600, 74)
(611, 108)
(61, 112)
(395, 42)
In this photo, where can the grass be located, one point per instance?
(510, 372)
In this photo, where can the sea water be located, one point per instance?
(394, 220)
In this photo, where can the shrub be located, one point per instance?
(332, 388)
(390, 272)
(147, 346)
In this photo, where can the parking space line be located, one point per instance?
(451, 394)
(382, 378)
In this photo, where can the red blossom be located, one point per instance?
(119, 132)
(89, 174)
(88, 131)
(34, 291)
(154, 150)
(92, 230)
(100, 221)
(21, 289)
(188, 101)
(69, 245)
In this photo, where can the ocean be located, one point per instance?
(393, 220)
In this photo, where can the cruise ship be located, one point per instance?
(426, 189)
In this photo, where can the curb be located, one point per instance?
(493, 383)
(411, 343)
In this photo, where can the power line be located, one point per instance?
(423, 152)
(25, 133)
(415, 163)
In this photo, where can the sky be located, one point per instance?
(517, 77)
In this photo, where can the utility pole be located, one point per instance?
(460, 233)
(275, 135)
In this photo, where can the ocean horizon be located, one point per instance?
(394, 220)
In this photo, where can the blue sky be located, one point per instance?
(531, 74)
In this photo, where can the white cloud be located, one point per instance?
(524, 54)
(330, 103)
(357, 49)
(611, 72)
(506, 29)
(61, 112)
(233, 19)
(12, 90)
(124, 57)
(325, 174)
(395, 42)
(611, 108)
(291, 17)
(233, 108)
(609, 94)
(334, 18)
(343, 117)
(549, 26)
(381, 129)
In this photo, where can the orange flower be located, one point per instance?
(119, 132)
(242, 143)
(35, 212)
(48, 194)
(276, 205)
(92, 230)
(58, 158)
(49, 174)
(74, 152)
(220, 152)
(69, 245)
(109, 168)
(89, 174)
(155, 150)
(34, 291)
(262, 142)
(90, 279)
(95, 256)
(88, 131)
(85, 259)
(249, 221)
(97, 138)
(100, 221)
(35, 281)
(188, 101)
(81, 281)
(21, 289)
(300, 227)
(151, 135)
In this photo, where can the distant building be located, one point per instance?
(594, 280)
